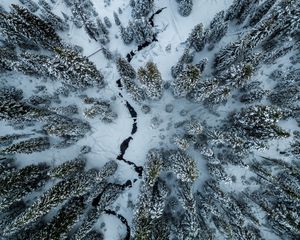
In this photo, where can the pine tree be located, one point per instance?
(197, 38)
(240, 9)
(101, 109)
(141, 8)
(74, 69)
(125, 69)
(203, 90)
(28, 146)
(20, 23)
(126, 34)
(133, 89)
(60, 225)
(151, 78)
(217, 28)
(186, 58)
(141, 30)
(8, 57)
(182, 165)
(186, 81)
(17, 184)
(71, 129)
(68, 168)
(260, 122)
(185, 7)
(260, 11)
(74, 186)
(55, 21)
(31, 5)
(117, 19)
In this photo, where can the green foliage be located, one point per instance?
(28, 146)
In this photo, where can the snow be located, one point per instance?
(106, 138)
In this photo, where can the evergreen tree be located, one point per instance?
(68, 168)
(117, 19)
(259, 122)
(197, 38)
(186, 58)
(101, 109)
(31, 5)
(182, 165)
(74, 69)
(60, 225)
(217, 28)
(21, 24)
(126, 34)
(260, 11)
(133, 89)
(55, 21)
(28, 146)
(125, 69)
(203, 90)
(17, 184)
(240, 9)
(150, 77)
(186, 81)
(74, 186)
(141, 30)
(185, 7)
(141, 8)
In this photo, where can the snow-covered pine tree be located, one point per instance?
(75, 186)
(260, 11)
(240, 10)
(61, 224)
(68, 168)
(126, 34)
(141, 8)
(21, 24)
(151, 78)
(75, 69)
(28, 146)
(137, 93)
(141, 30)
(197, 38)
(125, 69)
(259, 121)
(117, 19)
(17, 184)
(217, 28)
(186, 58)
(186, 81)
(185, 7)
(182, 165)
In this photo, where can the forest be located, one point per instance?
(149, 119)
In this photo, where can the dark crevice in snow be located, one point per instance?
(122, 219)
(125, 144)
(134, 127)
(140, 47)
(131, 110)
(153, 15)
(132, 53)
(123, 147)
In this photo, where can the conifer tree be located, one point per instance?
(151, 78)
(125, 69)
(186, 81)
(197, 38)
(28, 146)
(141, 8)
(185, 7)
